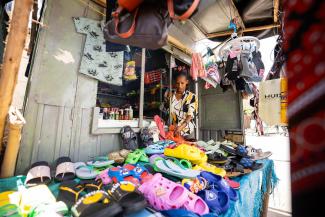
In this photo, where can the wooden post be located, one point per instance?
(143, 70)
(16, 122)
(12, 57)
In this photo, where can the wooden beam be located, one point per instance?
(250, 29)
(12, 57)
(179, 45)
(276, 11)
(100, 2)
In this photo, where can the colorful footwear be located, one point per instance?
(96, 203)
(250, 164)
(232, 183)
(196, 204)
(218, 183)
(170, 168)
(126, 195)
(39, 173)
(183, 151)
(129, 138)
(70, 192)
(119, 174)
(139, 172)
(218, 201)
(103, 176)
(257, 154)
(163, 194)
(195, 185)
(84, 171)
(64, 169)
(210, 168)
(155, 148)
(135, 156)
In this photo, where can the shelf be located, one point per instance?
(112, 95)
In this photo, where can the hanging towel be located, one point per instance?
(197, 67)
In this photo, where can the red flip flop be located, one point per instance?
(160, 126)
(231, 183)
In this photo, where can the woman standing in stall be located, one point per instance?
(184, 106)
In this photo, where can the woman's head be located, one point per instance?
(181, 82)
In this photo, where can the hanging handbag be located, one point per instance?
(184, 7)
(129, 5)
(146, 27)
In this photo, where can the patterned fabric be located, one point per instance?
(304, 25)
(259, 123)
(96, 62)
(180, 109)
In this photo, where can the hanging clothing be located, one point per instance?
(197, 67)
(180, 109)
(96, 62)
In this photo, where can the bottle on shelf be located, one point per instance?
(130, 113)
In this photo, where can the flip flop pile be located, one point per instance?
(177, 179)
(236, 159)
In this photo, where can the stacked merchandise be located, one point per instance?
(165, 177)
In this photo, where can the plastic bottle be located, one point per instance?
(130, 113)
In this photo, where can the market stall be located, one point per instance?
(98, 117)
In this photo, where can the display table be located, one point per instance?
(254, 192)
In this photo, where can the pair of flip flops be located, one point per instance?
(91, 169)
(132, 173)
(135, 156)
(146, 137)
(187, 152)
(129, 138)
(71, 191)
(40, 172)
(119, 156)
(175, 168)
(120, 200)
(257, 154)
(219, 193)
(163, 194)
(210, 168)
(158, 147)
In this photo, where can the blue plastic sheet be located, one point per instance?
(252, 190)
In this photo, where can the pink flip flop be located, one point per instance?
(163, 194)
(196, 204)
(160, 126)
(104, 177)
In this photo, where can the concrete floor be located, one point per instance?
(280, 200)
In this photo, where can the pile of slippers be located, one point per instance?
(172, 177)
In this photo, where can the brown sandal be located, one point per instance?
(116, 157)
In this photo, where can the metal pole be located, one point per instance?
(197, 117)
(171, 60)
(143, 69)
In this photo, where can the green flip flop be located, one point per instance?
(135, 156)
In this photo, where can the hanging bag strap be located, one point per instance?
(116, 16)
(186, 15)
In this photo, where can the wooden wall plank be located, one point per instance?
(48, 137)
(66, 132)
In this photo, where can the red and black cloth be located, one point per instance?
(305, 68)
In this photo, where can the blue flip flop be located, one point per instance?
(217, 201)
(218, 183)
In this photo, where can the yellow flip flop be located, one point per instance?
(4, 197)
(210, 168)
(187, 152)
